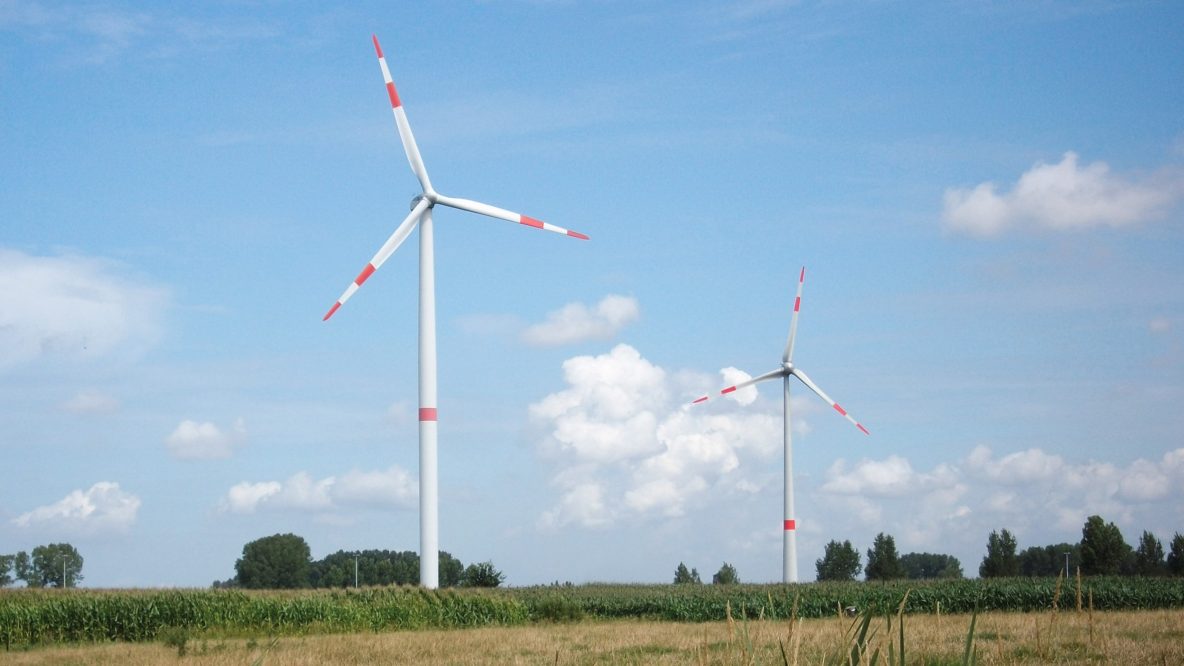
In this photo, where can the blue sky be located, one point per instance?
(986, 195)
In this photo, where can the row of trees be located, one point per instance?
(1101, 551)
(725, 576)
(52, 565)
(284, 561)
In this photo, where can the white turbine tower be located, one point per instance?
(789, 564)
(421, 215)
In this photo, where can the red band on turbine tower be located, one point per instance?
(427, 413)
(791, 525)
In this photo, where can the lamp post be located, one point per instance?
(1066, 565)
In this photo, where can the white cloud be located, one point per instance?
(393, 487)
(91, 402)
(205, 441)
(72, 307)
(627, 445)
(1026, 491)
(1062, 196)
(101, 509)
(576, 322)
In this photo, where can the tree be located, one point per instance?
(840, 561)
(1176, 555)
(683, 575)
(882, 561)
(1000, 559)
(1103, 549)
(726, 575)
(57, 564)
(482, 574)
(1149, 556)
(6, 578)
(1039, 561)
(930, 565)
(280, 561)
(23, 569)
(450, 570)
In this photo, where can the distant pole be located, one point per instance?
(356, 572)
(64, 583)
(1066, 565)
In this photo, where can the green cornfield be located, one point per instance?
(31, 617)
(34, 617)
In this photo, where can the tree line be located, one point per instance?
(51, 565)
(284, 561)
(1101, 551)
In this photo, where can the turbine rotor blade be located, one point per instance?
(793, 322)
(503, 214)
(779, 372)
(401, 123)
(388, 248)
(797, 372)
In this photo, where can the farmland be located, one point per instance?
(30, 618)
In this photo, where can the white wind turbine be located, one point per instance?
(421, 215)
(789, 563)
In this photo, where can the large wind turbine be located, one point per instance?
(789, 564)
(421, 215)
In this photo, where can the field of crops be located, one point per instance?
(33, 617)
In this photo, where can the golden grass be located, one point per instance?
(1128, 637)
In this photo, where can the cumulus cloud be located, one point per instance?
(72, 307)
(393, 487)
(577, 322)
(103, 508)
(1062, 196)
(205, 441)
(91, 402)
(627, 445)
(1024, 489)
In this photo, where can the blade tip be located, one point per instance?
(333, 309)
(377, 47)
(576, 234)
(699, 400)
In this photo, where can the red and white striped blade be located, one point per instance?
(401, 123)
(793, 322)
(388, 248)
(503, 214)
(814, 387)
(772, 374)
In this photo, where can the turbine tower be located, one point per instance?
(421, 216)
(789, 561)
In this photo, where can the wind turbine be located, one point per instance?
(789, 563)
(421, 215)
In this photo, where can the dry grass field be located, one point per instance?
(1135, 637)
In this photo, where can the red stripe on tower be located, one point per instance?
(394, 95)
(365, 274)
(427, 413)
(530, 222)
(791, 525)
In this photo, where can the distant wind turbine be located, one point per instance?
(789, 563)
(421, 215)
